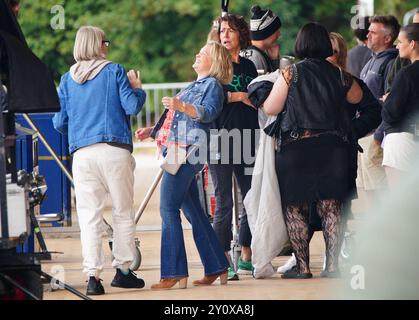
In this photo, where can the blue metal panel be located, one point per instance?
(24, 161)
(58, 196)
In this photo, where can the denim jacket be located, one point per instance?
(206, 96)
(98, 110)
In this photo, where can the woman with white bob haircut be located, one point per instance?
(97, 100)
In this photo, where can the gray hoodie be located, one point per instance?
(83, 71)
(375, 72)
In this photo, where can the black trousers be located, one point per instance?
(222, 175)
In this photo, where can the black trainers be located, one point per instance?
(94, 287)
(127, 281)
(294, 274)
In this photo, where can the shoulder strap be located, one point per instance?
(265, 57)
(383, 66)
(159, 124)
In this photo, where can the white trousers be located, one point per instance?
(100, 170)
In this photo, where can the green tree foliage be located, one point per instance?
(158, 37)
(397, 8)
(161, 37)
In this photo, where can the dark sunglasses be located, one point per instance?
(106, 43)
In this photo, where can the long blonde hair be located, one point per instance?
(342, 49)
(88, 44)
(222, 65)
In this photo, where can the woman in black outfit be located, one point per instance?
(365, 116)
(239, 118)
(312, 160)
(401, 110)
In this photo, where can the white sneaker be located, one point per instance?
(288, 265)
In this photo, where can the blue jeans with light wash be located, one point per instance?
(181, 192)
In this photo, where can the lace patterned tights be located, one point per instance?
(296, 218)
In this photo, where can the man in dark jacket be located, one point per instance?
(383, 31)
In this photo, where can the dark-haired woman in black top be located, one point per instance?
(312, 159)
(239, 119)
(401, 110)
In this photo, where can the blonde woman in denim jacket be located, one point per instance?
(187, 124)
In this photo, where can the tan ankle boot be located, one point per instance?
(168, 283)
(208, 280)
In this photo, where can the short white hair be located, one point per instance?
(88, 44)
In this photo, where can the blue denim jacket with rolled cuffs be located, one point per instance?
(99, 110)
(206, 95)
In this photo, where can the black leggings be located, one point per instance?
(296, 218)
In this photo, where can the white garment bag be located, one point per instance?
(264, 211)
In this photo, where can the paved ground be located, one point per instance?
(248, 288)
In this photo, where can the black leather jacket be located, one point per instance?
(316, 98)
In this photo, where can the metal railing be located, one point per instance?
(153, 107)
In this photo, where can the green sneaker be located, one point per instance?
(232, 275)
(244, 267)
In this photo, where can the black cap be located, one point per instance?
(263, 23)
